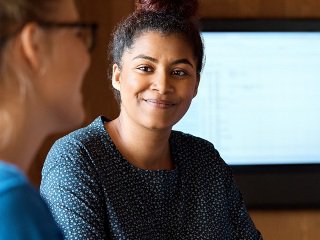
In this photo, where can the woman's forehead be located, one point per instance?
(158, 45)
(156, 40)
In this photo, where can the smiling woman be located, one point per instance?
(134, 177)
(40, 94)
(157, 80)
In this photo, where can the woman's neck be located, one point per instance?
(143, 148)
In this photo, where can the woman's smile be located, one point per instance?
(157, 103)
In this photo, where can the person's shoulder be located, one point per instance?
(18, 198)
(10, 177)
(80, 147)
(190, 140)
(89, 137)
(196, 150)
(85, 134)
(21, 207)
(14, 186)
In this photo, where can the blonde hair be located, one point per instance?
(14, 14)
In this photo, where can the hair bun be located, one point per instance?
(185, 8)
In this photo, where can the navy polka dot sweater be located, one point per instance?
(94, 193)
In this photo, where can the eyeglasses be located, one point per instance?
(87, 30)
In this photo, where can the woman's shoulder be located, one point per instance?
(190, 140)
(192, 146)
(92, 136)
(197, 155)
(85, 146)
(85, 134)
(78, 147)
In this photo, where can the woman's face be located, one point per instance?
(157, 80)
(64, 68)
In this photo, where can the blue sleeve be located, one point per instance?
(70, 186)
(24, 215)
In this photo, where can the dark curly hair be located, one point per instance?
(164, 16)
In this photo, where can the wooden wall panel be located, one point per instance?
(97, 88)
(288, 224)
(260, 8)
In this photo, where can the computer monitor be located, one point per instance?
(259, 104)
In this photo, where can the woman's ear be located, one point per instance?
(31, 45)
(116, 76)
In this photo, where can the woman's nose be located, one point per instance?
(162, 83)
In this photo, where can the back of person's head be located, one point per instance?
(163, 16)
(14, 14)
(37, 77)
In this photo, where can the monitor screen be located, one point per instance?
(259, 98)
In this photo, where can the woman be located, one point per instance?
(40, 94)
(133, 177)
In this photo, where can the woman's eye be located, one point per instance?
(145, 69)
(179, 73)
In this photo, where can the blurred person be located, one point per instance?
(43, 59)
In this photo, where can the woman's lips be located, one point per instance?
(159, 103)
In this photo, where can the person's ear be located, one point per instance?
(116, 76)
(31, 45)
(196, 86)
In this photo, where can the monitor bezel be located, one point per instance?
(282, 185)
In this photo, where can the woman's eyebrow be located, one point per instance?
(175, 62)
(146, 57)
(183, 60)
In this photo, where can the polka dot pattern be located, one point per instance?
(94, 193)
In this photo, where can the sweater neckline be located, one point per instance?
(123, 161)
